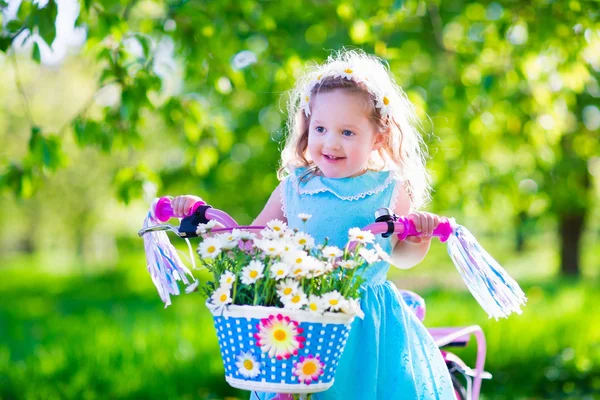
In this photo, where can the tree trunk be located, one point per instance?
(570, 228)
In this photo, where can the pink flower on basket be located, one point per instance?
(279, 336)
(309, 369)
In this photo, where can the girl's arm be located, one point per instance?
(272, 209)
(408, 253)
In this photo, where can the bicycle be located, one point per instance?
(385, 224)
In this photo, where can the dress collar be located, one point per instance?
(352, 188)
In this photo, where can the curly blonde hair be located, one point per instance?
(403, 151)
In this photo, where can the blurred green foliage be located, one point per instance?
(507, 93)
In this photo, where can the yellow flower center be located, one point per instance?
(296, 299)
(248, 365)
(223, 297)
(279, 335)
(298, 271)
(271, 248)
(302, 241)
(280, 272)
(319, 77)
(298, 261)
(386, 101)
(333, 302)
(253, 274)
(276, 228)
(306, 99)
(313, 307)
(211, 249)
(360, 237)
(287, 291)
(309, 368)
(348, 71)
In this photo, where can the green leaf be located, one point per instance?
(129, 182)
(145, 42)
(18, 179)
(92, 133)
(14, 25)
(46, 151)
(36, 52)
(45, 19)
(5, 43)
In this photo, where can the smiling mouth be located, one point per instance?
(333, 158)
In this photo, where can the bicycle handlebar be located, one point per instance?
(201, 213)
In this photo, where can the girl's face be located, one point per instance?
(341, 137)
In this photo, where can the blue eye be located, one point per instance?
(347, 133)
(320, 129)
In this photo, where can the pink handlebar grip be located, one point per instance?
(442, 231)
(164, 211)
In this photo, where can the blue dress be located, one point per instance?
(389, 354)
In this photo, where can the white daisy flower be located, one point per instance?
(277, 225)
(305, 101)
(210, 248)
(304, 217)
(288, 246)
(247, 364)
(270, 247)
(244, 235)
(252, 272)
(287, 287)
(316, 268)
(332, 252)
(315, 304)
(269, 234)
(333, 301)
(221, 297)
(356, 235)
(205, 228)
(299, 271)
(384, 105)
(297, 261)
(295, 301)
(346, 72)
(352, 307)
(304, 240)
(228, 240)
(382, 253)
(279, 270)
(370, 256)
(347, 264)
(227, 279)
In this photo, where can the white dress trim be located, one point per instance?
(358, 196)
(282, 194)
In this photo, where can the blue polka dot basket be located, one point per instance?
(279, 350)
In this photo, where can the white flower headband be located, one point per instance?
(382, 99)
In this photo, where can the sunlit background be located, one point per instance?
(108, 104)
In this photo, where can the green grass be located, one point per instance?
(106, 335)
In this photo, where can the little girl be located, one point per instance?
(353, 147)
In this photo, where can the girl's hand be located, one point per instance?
(182, 205)
(425, 223)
